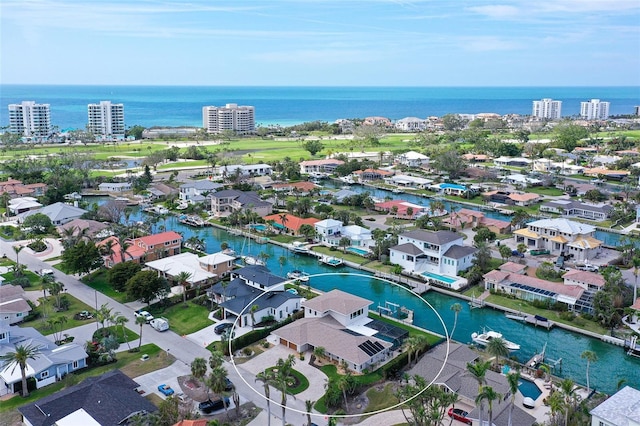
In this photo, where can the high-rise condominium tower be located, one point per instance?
(240, 119)
(30, 119)
(547, 108)
(106, 119)
(594, 110)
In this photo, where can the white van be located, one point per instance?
(160, 324)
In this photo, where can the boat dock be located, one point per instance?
(537, 320)
(331, 261)
(193, 221)
(632, 347)
(537, 359)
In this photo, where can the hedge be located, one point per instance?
(255, 335)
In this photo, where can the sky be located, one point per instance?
(321, 42)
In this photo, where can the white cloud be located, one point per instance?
(496, 11)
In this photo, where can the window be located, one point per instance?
(75, 364)
(3, 336)
(44, 374)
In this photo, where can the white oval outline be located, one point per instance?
(343, 416)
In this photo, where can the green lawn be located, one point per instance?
(340, 255)
(431, 338)
(128, 362)
(381, 400)
(366, 379)
(98, 281)
(47, 310)
(185, 319)
(302, 382)
(34, 279)
(129, 336)
(542, 190)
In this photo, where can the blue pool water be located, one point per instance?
(259, 227)
(439, 277)
(530, 389)
(358, 251)
(452, 185)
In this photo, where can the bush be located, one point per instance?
(255, 335)
(37, 246)
(567, 316)
(393, 367)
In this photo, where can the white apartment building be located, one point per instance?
(106, 120)
(594, 110)
(30, 119)
(240, 119)
(547, 108)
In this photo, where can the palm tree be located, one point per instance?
(411, 344)
(18, 249)
(590, 356)
(319, 352)
(121, 320)
(216, 359)
(489, 394)
(478, 371)
(217, 383)
(456, 308)
(498, 348)
(281, 380)
(282, 260)
(513, 379)
(198, 368)
(266, 377)
(309, 406)
(253, 310)
(636, 269)
(19, 358)
(183, 280)
(567, 387)
(140, 321)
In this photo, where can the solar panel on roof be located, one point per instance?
(370, 347)
(378, 346)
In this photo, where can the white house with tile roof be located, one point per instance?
(560, 236)
(621, 409)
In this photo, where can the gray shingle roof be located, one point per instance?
(108, 399)
(458, 252)
(407, 248)
(271, 299)
(258, 274)
(437, 237)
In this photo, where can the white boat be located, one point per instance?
(517, 317)
(299, 275)
(157, 210)
(252, 260)
(485, 337)
(229, 252)
(299, 247)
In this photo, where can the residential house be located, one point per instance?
(411, 124)
(255, 286)
(512, 161)
(400, 209)
(340, 195)
(202, 270)
(15, 188)
(372, 174)
(225, 202)
(20, 205)
(446, 366)
(52, 364)
(159, 190)
(225, 172)
(13, 304)
(377, 121)
(330, 231)
(522, 180)
(375, 156)
(338, 322)
(511, 198)
(289, 223)
(108, 399)
(620, 409)
(406, 181)
(588, 280)
(142, 249)
(466, 218)
(565, 167)
(85, 227)
(560, 236)
(59, 213)
(296, 188)
(599, 211)
(476, 158)
(320, 167)
(453, 189)
(608, 174)
(532, 289)
(115, 186)
(412, 159)
(436, 256)
(196, 191)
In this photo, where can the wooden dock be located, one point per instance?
(539, 321)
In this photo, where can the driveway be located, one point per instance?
(207, 335)
(169, 376)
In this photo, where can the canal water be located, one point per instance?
(612, 365)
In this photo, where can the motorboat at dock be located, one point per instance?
(485, 337)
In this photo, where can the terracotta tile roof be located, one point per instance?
(303, 186)
(293, 222)
(512, 267)
(155, 239)
(584, 277)
(378, 171)
(524, 197)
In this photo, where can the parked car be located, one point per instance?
(144, 314)
(228, 384)
(210, 406)
(165, 389)
(459, 415)
(516, 253)
(160, 324)
(221, 328)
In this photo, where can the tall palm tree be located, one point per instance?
(217, 383)
(198, 368)
(309, 406)
(121, 320)
(489, 394)
(456, 308)
(140, 321)
(19, 358)
(411, 344)
(498, 348)
(567, 387)
(266, 377)
(216, 359)
(253, 310)
(17, 249)
(478, 370)
(183, 280)
(281, 380)
(513, 379)
(590, 356)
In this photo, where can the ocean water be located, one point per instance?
(182, 105)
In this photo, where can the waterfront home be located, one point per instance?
(598, 211)
(453, 189)
(512, 161)
(243, 171)
(13, 304)
(437, 256)
(52, 364)
(329, 232)
(591, 281)
(371, 174)
(446, 366)
(528, 288)
(86, 227)
(412, 159)
(565, 167)
(400, 208)
(254, 286)
(114, 186)
(340, 195)
(377, 121)
(411, 124)
(59, 213)
(289, 223)
(225, 202)
(560, 236)
(158, 190)
(522, 199)
(142, 249)
(406, 181)
(202, 270)
(20, 205)
(606, 173)
(467, 218)
(520, 179)
(15, 188)
(621, 408)
(196, 191)
(108, 399)
(338, 322)
(296, 188)
(323, 167)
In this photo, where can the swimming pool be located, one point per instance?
(358, 251)
(259, 227)
(453, 186)
(438, 277)
(530, 389)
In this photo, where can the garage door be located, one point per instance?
(283, 342)
(293, 346)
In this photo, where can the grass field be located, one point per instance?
(185, 319)
(379, 400)
(47, 310)
(98, 281)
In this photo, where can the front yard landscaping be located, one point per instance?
(184, 319)
(48, 314)
(98, 281)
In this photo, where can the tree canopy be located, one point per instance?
(83, 257)
(146, 286)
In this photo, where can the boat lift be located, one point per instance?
(396, 311)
